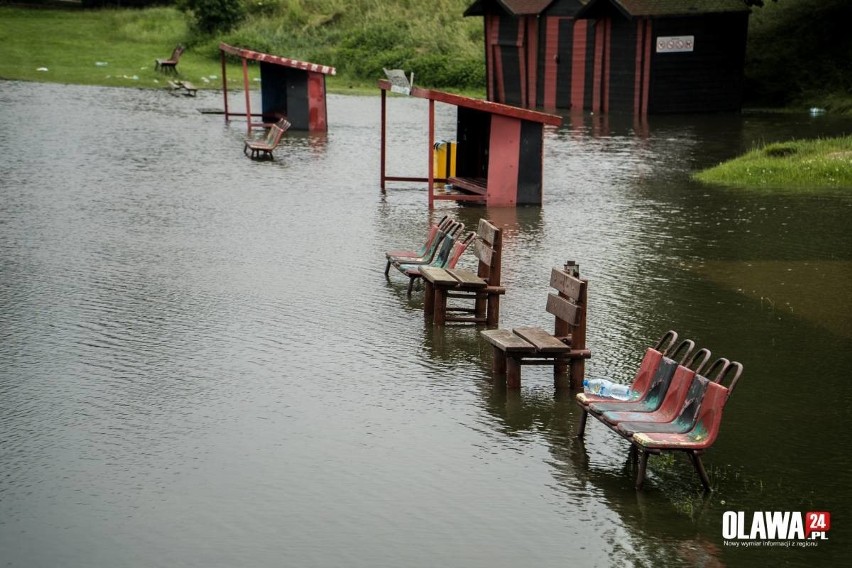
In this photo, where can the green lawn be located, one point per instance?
(801, 164)
(58, 46)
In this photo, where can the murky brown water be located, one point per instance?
(201, 363)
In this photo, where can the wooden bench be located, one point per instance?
(265, 146)
(170, 64)
(535, 346)
(482, 287)
(190, 89)
(183, 87)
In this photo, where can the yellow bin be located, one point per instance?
(444, 161)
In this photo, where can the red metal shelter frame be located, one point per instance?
(508, 116)
(316, 83)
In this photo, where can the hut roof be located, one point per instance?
(480, 105)
(277, 60)
(513, 7)
(634, 8)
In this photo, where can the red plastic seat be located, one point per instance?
(642, 379)
(686, 409)
(697, 439)
(424, 254)
(662, 406)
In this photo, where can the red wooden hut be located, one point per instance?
(499, 150)
(511, 48)
(289, 88)
(642, 56)
(667, 56)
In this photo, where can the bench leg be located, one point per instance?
(440, 307)
(578, 373)
(699, 467)
(561, 379)
(499, 361)
(492, 317)
(513, 373)
(429, 300)
(643, 464)
(480, 304)
(581, 427)
(387, 268)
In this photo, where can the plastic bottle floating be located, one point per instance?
(606, 388)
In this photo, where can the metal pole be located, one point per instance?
(384, 127)
(431, 153)
(225, 85)
(248, 95)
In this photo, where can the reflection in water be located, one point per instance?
(203, 363)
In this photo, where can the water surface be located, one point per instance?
(202, 364)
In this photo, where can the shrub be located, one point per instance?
(211, 16)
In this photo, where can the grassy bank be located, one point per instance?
(103, 47)
(802, 164)
(117, 47)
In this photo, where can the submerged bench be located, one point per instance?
(672, 407)
(535, 346)
(482, 287)
(185, 87)
(264, 147)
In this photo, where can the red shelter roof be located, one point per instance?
(277, 60)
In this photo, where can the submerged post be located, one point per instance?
(248, 95)
(431, 153)
(384, 133)
(224, 84)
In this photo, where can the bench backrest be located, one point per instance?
(650, 362)
(568, 306)
(671, 399)
(488, 249)
(432, 235)
(459, 246)
(276, 131)
(688, 412)
(444, 245)
(176, 53)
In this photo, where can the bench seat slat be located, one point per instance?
(507, 341)
(544, 341)
(438, 276)
(468, 278)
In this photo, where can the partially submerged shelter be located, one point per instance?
(289, 88)
(641, 56)
(499, 151)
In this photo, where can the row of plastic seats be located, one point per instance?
(674, 405)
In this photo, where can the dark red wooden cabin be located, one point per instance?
(642, 56)
(289, 88)
(511, 48)
(667, 56)
(499, 150)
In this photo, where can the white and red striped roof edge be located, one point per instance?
(277, 60)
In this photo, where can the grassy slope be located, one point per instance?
(71, 44)
(802, 164)
(359, 37)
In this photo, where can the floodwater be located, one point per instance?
(202, 363)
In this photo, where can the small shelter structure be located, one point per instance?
(499, 153)
(290, 89)
(641, 56)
